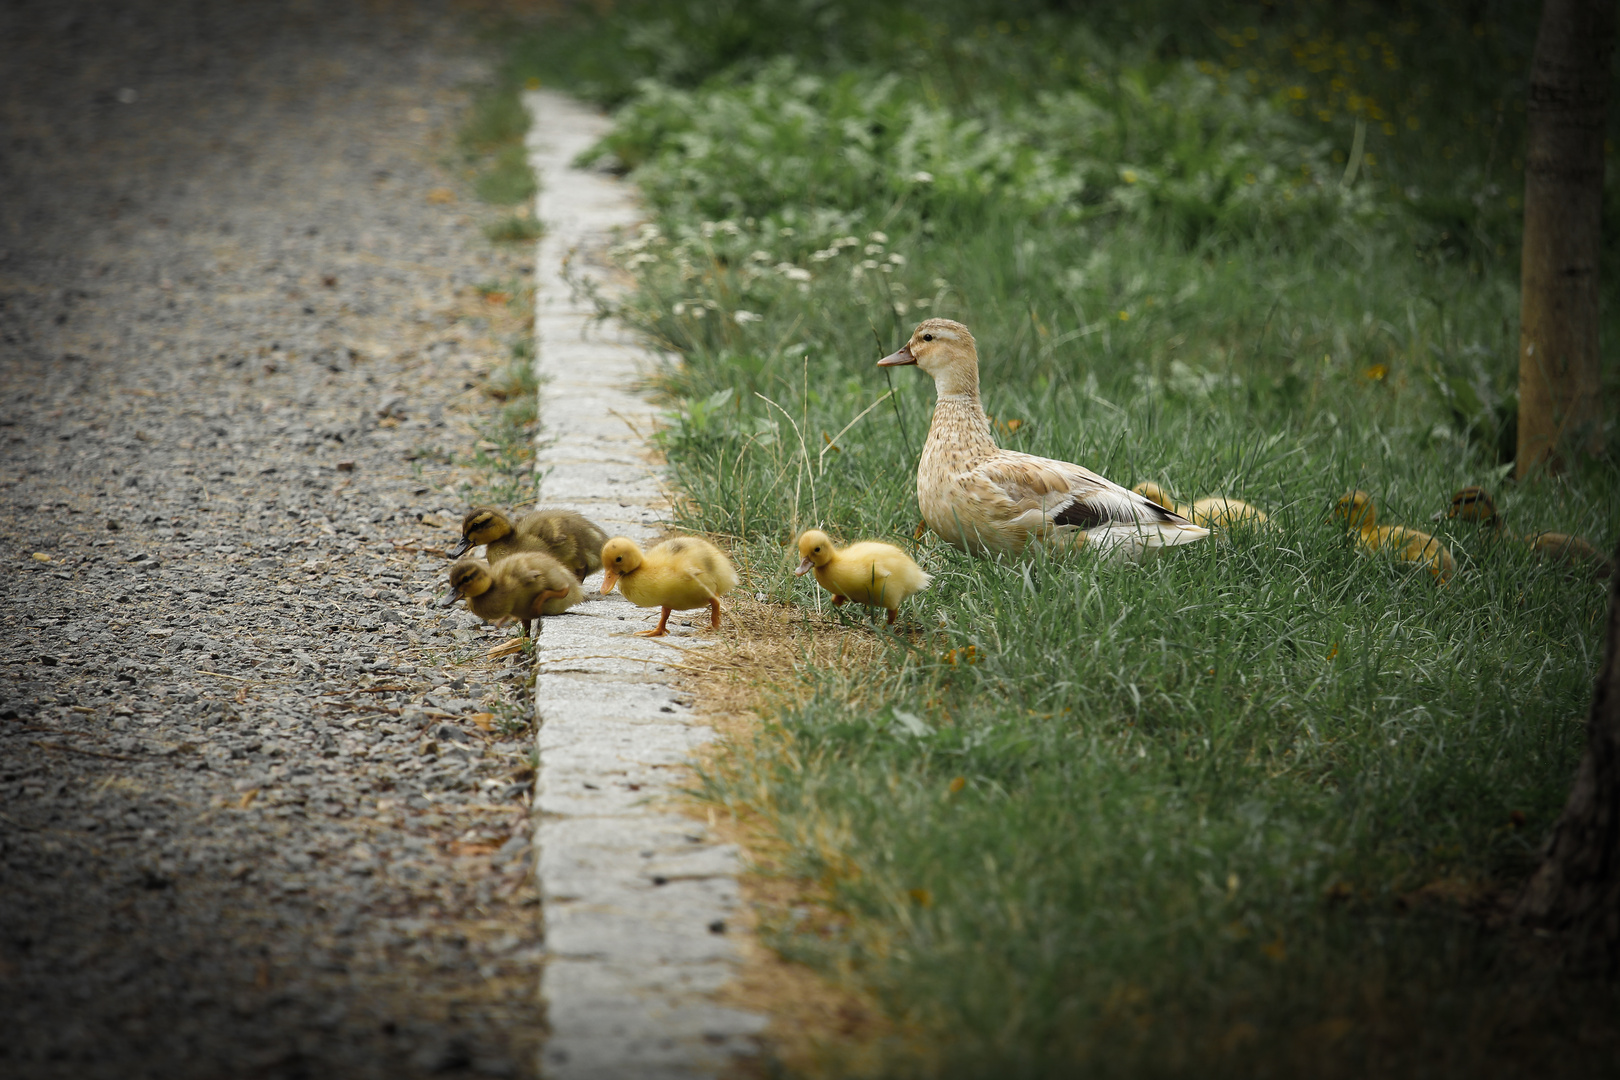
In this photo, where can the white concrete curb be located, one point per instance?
(638, 900)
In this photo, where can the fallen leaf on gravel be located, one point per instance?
(41, 556)
(441, 195)
(482, 720)
(507, 648)
(247, 798)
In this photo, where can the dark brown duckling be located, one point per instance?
(523, 587)
(570, 538)
(1475, 504)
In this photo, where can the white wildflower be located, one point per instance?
(793, 273)
(743, 318)
(880, 237)
(760, 256)
(846, 241)
(897, 258)
(869, 264)
(823, 255)
(921, 304)
(874, 249)
(922, 176)
(679, 308)
(787, 230)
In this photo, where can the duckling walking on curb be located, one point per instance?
(522, 588)
(677, 575)
(570, 538)
(1214, 512)
(872, 573)
(1475, 504)
(1408, 545)
(986, 500)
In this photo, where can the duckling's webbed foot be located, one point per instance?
(838, 600)
(894, 613)
(659, 630)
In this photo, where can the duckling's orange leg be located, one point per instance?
(714, 606)
(837, 600)
(894, 613)
(657, 631)
(526, 624)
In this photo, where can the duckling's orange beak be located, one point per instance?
(898, 359)
(609, 579)
(804, 567)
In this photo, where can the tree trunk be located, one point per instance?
(1560, 407)
(1576, 890)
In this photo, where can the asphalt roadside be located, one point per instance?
(264, 810)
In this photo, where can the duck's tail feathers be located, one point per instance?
(1137, 539)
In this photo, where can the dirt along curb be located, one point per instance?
(640, 900)
(263, 809)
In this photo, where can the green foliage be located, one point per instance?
(513, 229)
(1202, 802)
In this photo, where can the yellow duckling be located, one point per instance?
(1215, 512)
(1408, 545)
(873, 573)
(1475, 504)
(523, 587)
(570, 538)
(677, 575)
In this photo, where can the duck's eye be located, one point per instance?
(928, 337)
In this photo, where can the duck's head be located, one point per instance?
(815, 549)
(469, 577)
(481, 525)
(1154, 493)
(1357, 510)
(1472, 504)
(945, 350)
(620, 556)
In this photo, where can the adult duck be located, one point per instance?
(986, 500)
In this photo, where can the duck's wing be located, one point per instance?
(1046, 498)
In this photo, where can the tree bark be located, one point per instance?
(1560, 407)
(1576, 890)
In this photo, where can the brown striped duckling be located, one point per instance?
(1214, 512)
(1408, 545)
(872, 573)
(676, 575)
(571, 538)
(1475, 504)
(522, 587)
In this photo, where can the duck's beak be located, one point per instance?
(450, 598)
(898, 359)
(609, 579)
(461, 548)
(804, 568)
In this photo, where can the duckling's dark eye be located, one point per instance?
(928, 337)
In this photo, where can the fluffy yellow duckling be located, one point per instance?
(523, 587)
(873, 573)
(1408, 545)
(1475, 504)
(984, 500)
(676, 575)
(1215, 512)
(570, 538)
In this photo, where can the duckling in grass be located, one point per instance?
(1215, 512)
(523, 587)
(1408, 545)
(1475, 504)
(873, 573)
(570, 538)
(676, 575)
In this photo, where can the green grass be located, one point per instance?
(1210, 808)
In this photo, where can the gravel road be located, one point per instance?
(263, 809)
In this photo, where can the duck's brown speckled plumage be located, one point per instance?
(984, 499)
